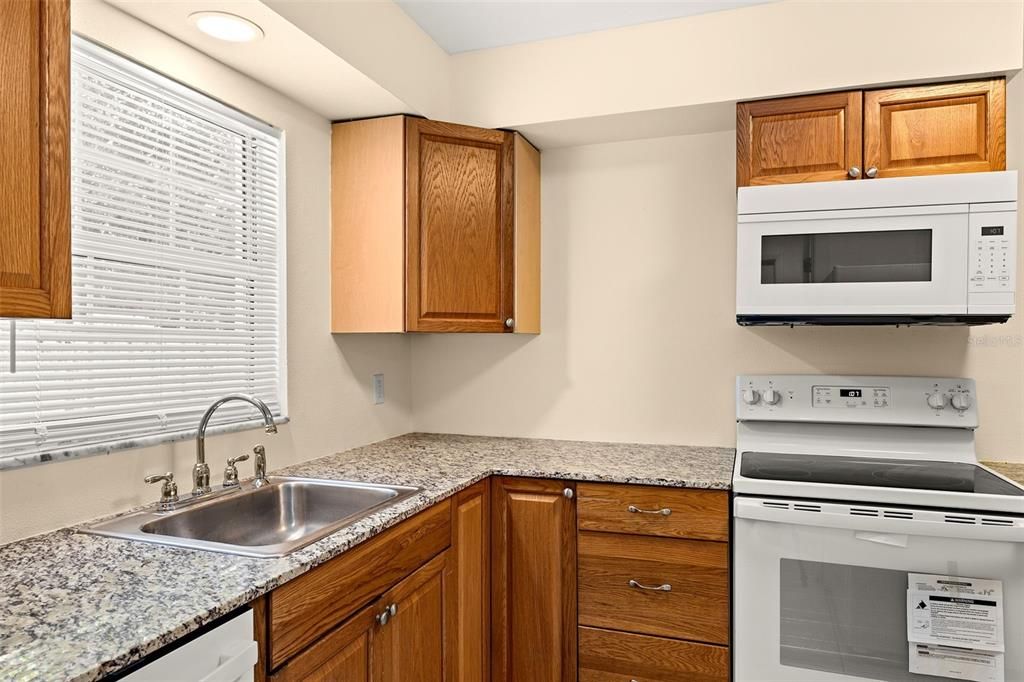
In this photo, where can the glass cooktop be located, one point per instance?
(957, 477)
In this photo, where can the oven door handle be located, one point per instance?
(934, 523)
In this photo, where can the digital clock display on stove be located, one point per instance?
(868, 397)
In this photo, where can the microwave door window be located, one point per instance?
(847, 257)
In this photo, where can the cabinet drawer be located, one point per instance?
(607, 656)
(304, 609)
(641, 509)
(696, 606)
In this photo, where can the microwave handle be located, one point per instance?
(754, 509)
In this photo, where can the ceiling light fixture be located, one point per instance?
(224, 26)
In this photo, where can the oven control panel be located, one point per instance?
(914, 401)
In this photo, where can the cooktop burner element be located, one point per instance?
(960, 477)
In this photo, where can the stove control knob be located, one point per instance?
(771, 397)
(936, 401)
(751, 396)
(961, 401)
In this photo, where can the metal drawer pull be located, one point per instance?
(660, 588)
(633, 509)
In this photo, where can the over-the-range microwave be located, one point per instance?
(938, 249)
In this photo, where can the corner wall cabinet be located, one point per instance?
(35, 233)
(860, 135)
(435, 228)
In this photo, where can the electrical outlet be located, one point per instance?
(378, 388)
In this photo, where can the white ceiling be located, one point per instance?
(467, 25)
(287, 59)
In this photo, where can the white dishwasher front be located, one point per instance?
(227, 653)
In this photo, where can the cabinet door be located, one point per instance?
(459, 229)
(469, 598)
(342, 655)
(409, 646)
(35, 259)
(533, 602)
(932, 129)
(799, 139)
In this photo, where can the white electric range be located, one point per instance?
(842, 487)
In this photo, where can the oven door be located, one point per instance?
(874, 262)
(820, 589)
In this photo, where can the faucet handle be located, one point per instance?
(168, 491)
(231, 471)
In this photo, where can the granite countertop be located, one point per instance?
(1012, 470)
(75, 606)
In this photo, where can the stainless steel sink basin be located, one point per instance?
(270, 521)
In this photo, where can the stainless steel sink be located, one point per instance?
(270, 521)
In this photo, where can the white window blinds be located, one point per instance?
(177, 242)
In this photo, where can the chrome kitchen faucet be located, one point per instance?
(201, 470)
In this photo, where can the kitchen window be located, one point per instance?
(177, 266)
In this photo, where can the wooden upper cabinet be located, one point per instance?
(35, 232)
(798, 139)
(947, 128)
(533, 578)
(920, 130)
(458, 228)
(435, 228)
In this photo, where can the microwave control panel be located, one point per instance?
(993, 252)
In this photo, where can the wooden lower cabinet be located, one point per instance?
(304, 610)
(405, 645)
(609, 656)
(343, 655)
(655, 586)
(469, 599)
(409, 646)
(533, 602)
(653, 510)
(501, 583)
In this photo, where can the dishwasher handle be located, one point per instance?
(236, 666)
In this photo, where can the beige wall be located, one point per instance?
(329, 377)
(382, 41)
(639, 337)
(767, 50)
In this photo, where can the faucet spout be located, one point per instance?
(201, 470)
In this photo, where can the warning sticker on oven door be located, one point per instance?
(954, 611)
